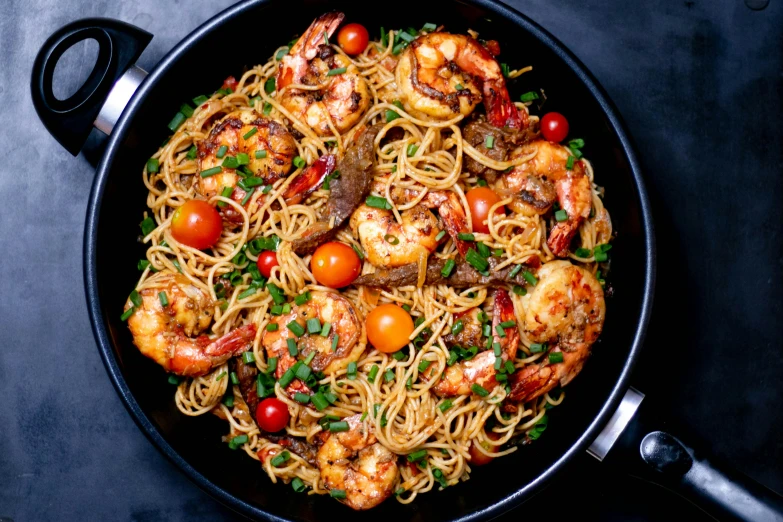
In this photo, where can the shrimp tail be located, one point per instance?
(453, 216)
(310, 179)
(504, 312)
(233, 343)
(501, 111)
(531, 383)
(560, 238)
(308, 43)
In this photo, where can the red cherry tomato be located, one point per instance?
(335, 264)
(267, 260)
(388, 328)
(272, 415)
(480, 200)
(196, 224)
(554, 126)
(353, 39)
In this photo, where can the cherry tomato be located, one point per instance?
(476, 457)
(353, 39)
(335, 264)
(272, 415)
(267, 260)
(554, 126)
(196, 224)
(480, 200)
(388, 327)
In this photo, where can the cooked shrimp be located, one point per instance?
(459, 378)
(387, 243)
(354, 462)
(566, 309)
(449, 207)
(341, 97)
(170, 334)
(443, 75)
(536, 184)
(327, 307)
(245, 131)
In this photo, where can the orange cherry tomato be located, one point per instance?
(480, 200)
(388, 328)
(476, 457)
(554, 126)
(353, 39)
(196, 224)
(335, 264)
(267, 260)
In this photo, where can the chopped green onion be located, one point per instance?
(537, 347)
(325, 329)
(192, 153)
(466, 236)
(176, 121)
(515, 271)
(279, 460)
(298, 485)
(230, 162)
(249, 134)
(520, 290)
(399, 355)
(269, 85)
(292, 349)
(260, 154)
(267, 108)
(282, 52)
(475, 260)
(510, 367)
(570, 163)
(221, 152)
(457, 328)
(445, 405)
(409, 383)
(147, 226)
(358, 251)
(301, 398)
(229, 401)
(582, 252)
(238, 441)
(377, 202)
(600, 254)
(200, 100)
(287, 378)
(335, 340)
(555, 357)
(351, 370)
(496, 349)
(302, 298)
(459, 87)
(398, 48)
(508, 324)
(440, 235)
(247, 293)
(127, 313)
(373, 373)
(478, 390)
(335, 72)
(391, 239)
(498, 364)
(453, 356)
(337, 493)
(299, 162)
(529, 96)
(489, 142)
(505, 68)
(135, 298)
(277, 294)
(412, 149)
(481, 183)
(211, 172)
(429, 27)
(417, 455)
(388, 375)
(303, 371)
(243, 159)
(448, 267)
(248, 358)
(234, 378)
(271, 365)
(405, 36)
(226, 193)
(319, 401)
(577, 143)
(186, 109)
(338, 426)
(313, 325)
(407, 308)
(176, 265)
(530, 278)
(153, 165)
(561, 215)
(483, 250)
(164, 300)
(423, 365)
(255, 99)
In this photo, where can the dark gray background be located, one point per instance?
(699, 84)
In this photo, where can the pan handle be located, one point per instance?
(103, 96)
(637, 440)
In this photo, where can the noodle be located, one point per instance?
(405, 413)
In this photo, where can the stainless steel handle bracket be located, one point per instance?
(616, 425)
(118, 98)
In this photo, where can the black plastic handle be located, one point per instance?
(119, 46)
(647, 449)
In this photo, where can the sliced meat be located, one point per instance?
(463, 275)
(470, 335)
(348, 191)
(247, 373)
(503, 141)
(296, 445)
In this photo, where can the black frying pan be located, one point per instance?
(600, 404)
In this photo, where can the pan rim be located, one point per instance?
(104, 343)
